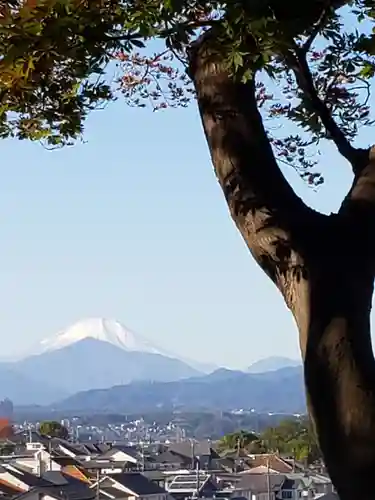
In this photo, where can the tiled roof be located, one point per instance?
(26, 477)
(270, 460)
(258, 483)
(171, 457)
(190, 448)
(112, 492)
(7, 488)
(138, 483)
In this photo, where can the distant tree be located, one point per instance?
(291, 437)
(6, 448)
(52, 428)
(294, 438)
(237, 440)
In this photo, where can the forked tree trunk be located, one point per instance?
(322, 265)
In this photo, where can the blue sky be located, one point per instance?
(132, 225)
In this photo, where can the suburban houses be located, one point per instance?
(42, 468)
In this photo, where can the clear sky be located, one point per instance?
(133, 226)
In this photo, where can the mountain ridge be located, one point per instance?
(113, 332)
(99, 353)
(279, 391)
(272, 363)
(99, 364)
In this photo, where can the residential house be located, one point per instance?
(260, 486)
(58, 487)
(200, 484)
(98, 467)
(21, 479)
(156, 476)
(124, 454)
(195, 451)
(307, 486)
(270, 460)
(133, 485)
(170, 460)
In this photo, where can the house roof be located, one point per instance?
(71, 487)
(111, 453)
(272, 461)
(128, 450)
(102, 447)
(76, 448)
(258, 483)
(62, 487)
(7, 488)
(65, 460)
(77, 472)
(223, 463)
(138, 483)
(101, 464)
(112, 492)
(190, 448)
(26, 477)
(188, 483)
(91, 447)
(171, 457)
(154, 475)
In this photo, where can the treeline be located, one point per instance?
(293, 438)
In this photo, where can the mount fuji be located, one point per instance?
(115, 333)
(94, 353)
(103, 329)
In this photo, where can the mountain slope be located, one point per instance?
(113, 332)
(272, 363)
(278, 391)
(26, 390)
(91, 363)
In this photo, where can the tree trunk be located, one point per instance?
(339, 369)
(322, 265)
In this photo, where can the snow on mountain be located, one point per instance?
(106, 330)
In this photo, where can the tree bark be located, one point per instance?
(324, 266)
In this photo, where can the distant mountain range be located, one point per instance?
(278, 391)
(93, 353)
(272, 363)
(98, 357)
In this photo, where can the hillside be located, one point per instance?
(95, 364)
(278, 391)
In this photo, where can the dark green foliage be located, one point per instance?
(52, 428)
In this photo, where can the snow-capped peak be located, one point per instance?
(106, 330)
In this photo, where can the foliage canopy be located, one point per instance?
(293, 438)
(60, 59)
(53, 429)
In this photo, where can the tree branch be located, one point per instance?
(298, 63)
(270, 216)
(315, 31)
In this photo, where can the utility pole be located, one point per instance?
(268, 479)
(238, 454)
(192, 454)
(97, 484)
(198, 486)
(50, 454)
